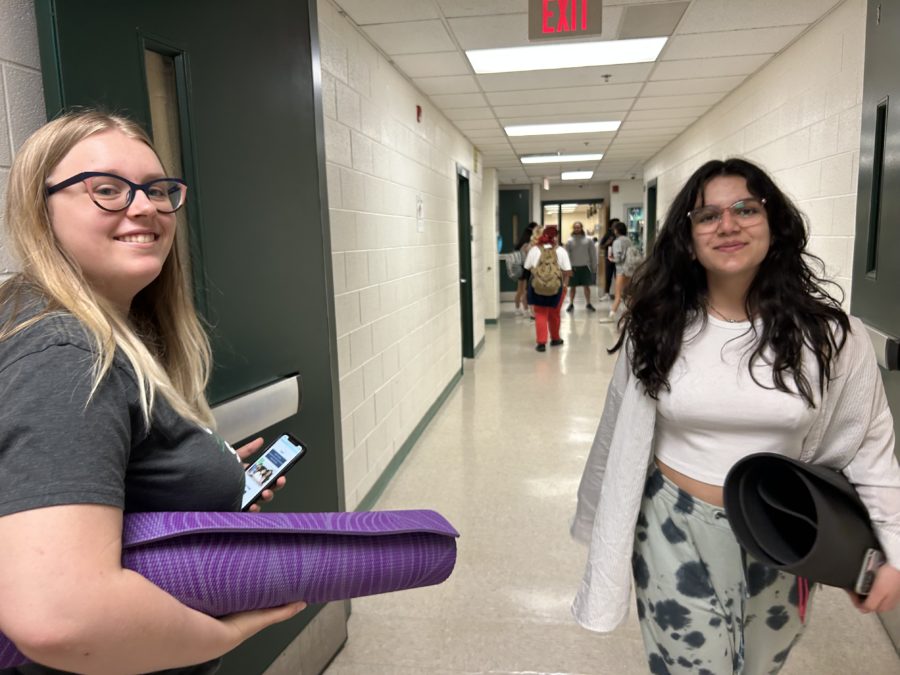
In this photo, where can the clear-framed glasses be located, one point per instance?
(745, 212)
(114, 193)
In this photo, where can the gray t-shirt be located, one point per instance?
(582, 251)
(57, 448)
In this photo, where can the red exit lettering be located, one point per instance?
(568, 17)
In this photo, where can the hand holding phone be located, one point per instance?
(278, 457)
(872, 561)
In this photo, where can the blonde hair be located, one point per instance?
(536, 234)
(161, 337)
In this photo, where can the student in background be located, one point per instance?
(523, 245)
(551, 268)
(583, 256)
(609, 267)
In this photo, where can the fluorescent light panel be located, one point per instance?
(576, 175)
(577, 55)
(554, 159)
(557, 129)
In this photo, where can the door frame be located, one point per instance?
(466, 292)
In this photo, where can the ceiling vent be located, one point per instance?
(657, 20)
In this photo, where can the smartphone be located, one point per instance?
(871, 562)
(281, 455)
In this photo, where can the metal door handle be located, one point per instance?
(887, 348)
(246, 415)
(462, 281)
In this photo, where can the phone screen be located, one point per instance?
(279, 456)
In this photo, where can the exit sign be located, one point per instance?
(555, 19)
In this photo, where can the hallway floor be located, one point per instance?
(501, 461)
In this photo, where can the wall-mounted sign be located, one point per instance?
(555, 19)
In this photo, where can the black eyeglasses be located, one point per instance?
(114, 193)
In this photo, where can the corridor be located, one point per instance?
(502, 460)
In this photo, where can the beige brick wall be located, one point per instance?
(396, 288)
(21, 96)
(799, 117)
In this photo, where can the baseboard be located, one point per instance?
(367, 502)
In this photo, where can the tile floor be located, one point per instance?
(501, 461)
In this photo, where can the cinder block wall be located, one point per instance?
(799, 117)
(21, 96)
(396, 284)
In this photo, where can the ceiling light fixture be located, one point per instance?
(567, 128)
(554, 159)
(578, 55)
(577, 175)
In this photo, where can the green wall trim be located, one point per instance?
(478, 347)
(387, 475)
(492, 322)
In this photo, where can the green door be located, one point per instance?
(247, 114)
(876, 256)
(466, 303)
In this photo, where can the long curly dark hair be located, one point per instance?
(668, 292)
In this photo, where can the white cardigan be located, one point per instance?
(853, 432)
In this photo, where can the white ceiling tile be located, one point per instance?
(459, 114)
(414, 37)
(603, 91)
(715, 67)
(487, 135)
(434, 64)
(565, 77)
(642, 21)
(706, 85)
(551, 146)
(640, 125)
(472, 125)
(714, 15)
(455, 84)
(637, 150)
(387, 11)
(492, 147)
(642, 137)
(730, 43)
(680, 114)
(686, 101)
(591, 109)
(450, 8)
(447, 101)
(490, 32)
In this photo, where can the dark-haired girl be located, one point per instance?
(731, 345)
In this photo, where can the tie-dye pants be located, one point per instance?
(705, 606)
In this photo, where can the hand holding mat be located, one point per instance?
(222, 563)
(801, 518)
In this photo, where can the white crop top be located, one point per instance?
(716, 414)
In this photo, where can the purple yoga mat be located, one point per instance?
(221, 563)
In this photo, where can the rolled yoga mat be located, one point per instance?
(221, 563)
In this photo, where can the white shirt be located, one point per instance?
(534, 255)
(853, 432)
(716, 414)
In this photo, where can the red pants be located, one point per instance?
(543, 315)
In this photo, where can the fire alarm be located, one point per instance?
(418, 113)
(615, 188)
